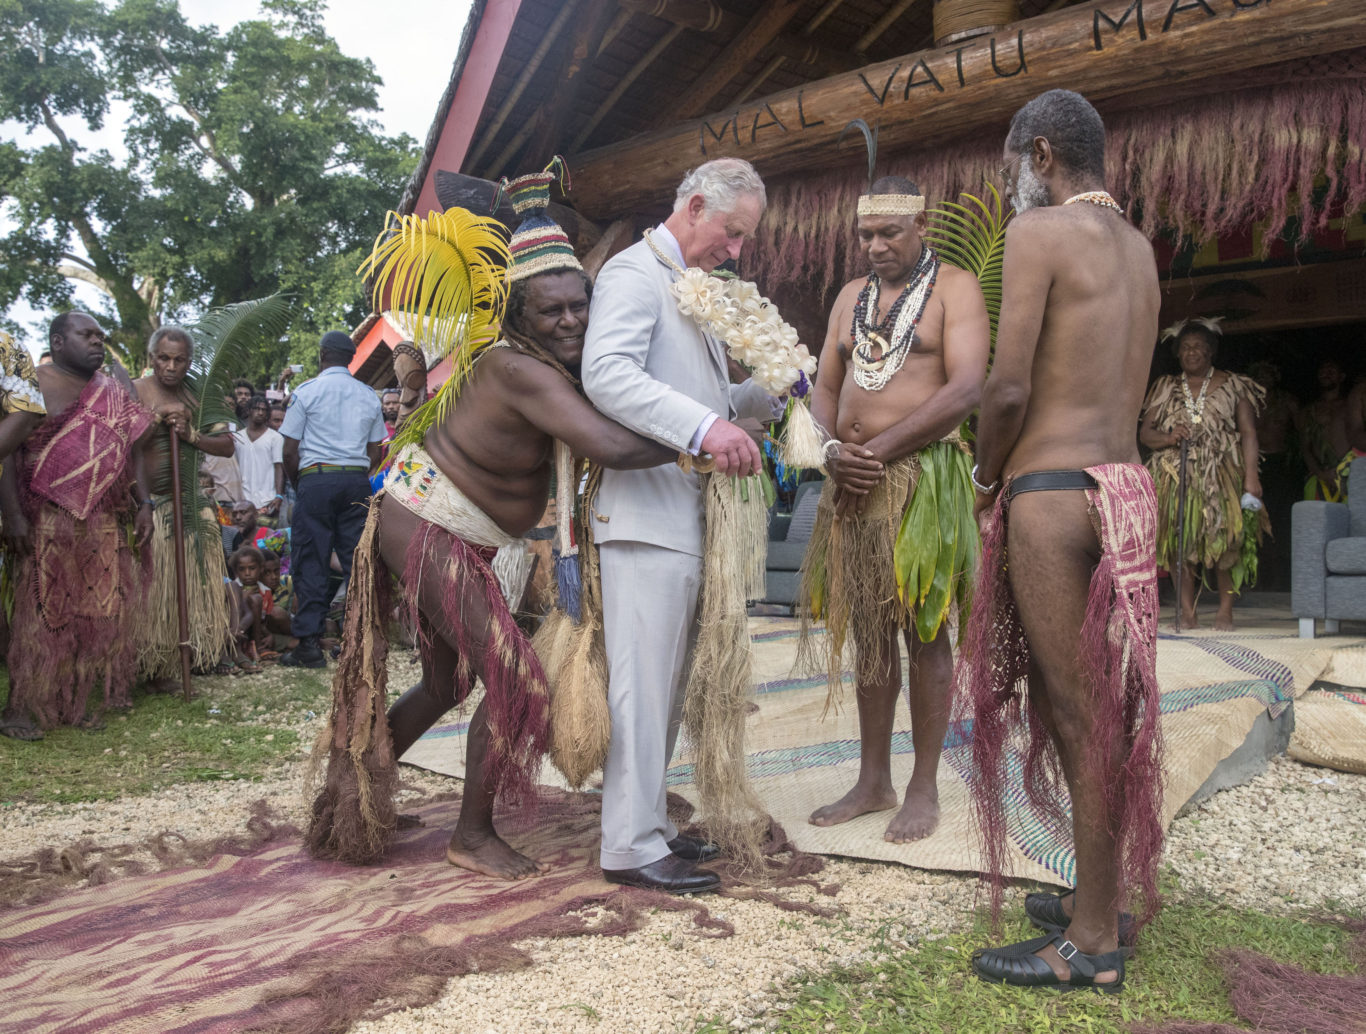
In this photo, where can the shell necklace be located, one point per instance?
(1095, 197)
(1195, 407)
(876, 361)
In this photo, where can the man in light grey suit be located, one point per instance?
(652, 369)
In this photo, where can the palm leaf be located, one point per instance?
(442, 277)
(972, 236)
(225, 343)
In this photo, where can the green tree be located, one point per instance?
(253, 165)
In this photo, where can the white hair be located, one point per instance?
(721, 182)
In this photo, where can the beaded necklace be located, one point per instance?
(876, 361)
(1195, 407)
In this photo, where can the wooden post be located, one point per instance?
(182, 595)
(1104, 49)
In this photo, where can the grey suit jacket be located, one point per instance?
(651, 369)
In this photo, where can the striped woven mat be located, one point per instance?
(1214, 685)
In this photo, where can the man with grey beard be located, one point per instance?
(1061, 644)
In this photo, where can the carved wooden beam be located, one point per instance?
(757, 34)
(1104, 49)
(707, 16)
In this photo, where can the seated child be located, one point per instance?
(252, 601)
(282, 594)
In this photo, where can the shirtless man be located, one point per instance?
(1324, 441)
(1066, 501)
(495, 447)
(930, 381)
(1356, 417)
(176, 409)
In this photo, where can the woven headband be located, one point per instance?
(891, 204)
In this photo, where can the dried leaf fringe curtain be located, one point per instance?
(1202, 168)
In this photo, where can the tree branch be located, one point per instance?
(79, 261)
(74, 272)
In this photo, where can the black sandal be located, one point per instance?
(1046, 912)
(1018, 966)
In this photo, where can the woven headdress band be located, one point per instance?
(539, 244)
(891, 204)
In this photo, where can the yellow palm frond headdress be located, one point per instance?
(442, 275)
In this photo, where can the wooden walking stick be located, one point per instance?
(1181, 528)
(182, 594)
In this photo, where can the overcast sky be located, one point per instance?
(412, 44)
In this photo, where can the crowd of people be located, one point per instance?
(87, 500)
(1059, 631)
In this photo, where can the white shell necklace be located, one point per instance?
(1195, 407)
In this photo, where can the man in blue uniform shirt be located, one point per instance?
(333, 429)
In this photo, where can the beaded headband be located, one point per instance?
(891, 204)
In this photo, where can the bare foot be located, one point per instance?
(856, 802)
(491, 855)
(917, 819)
(1223, 622)
(1189, 619)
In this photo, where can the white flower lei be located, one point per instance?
(748, 324)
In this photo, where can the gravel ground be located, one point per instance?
(1294, 836)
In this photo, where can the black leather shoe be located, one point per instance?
(694, 849)
(308, 654)
(671, 874)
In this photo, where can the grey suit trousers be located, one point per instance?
(649, 605)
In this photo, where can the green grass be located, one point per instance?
(930, 988)
(235, 728)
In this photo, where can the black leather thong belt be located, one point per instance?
(1052, 481)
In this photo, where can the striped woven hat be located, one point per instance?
(539, 245)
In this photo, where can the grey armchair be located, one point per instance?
(788, 535)
(1328, 558)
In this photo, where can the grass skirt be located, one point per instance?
(353, 814)
(1117, 655)
(900, 565)
(210, 620)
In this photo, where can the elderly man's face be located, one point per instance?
(244, 516)
(556, 314)
(170, 361)
(389, 403)
(716, 237)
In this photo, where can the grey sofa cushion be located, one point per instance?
(1346, 556)
(785, 556)
(804, 517)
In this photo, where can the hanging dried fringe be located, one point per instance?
(1204, 167)
(353, 813)
(574, 654)
(719, 682)
(210, 619)
(802, 444)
